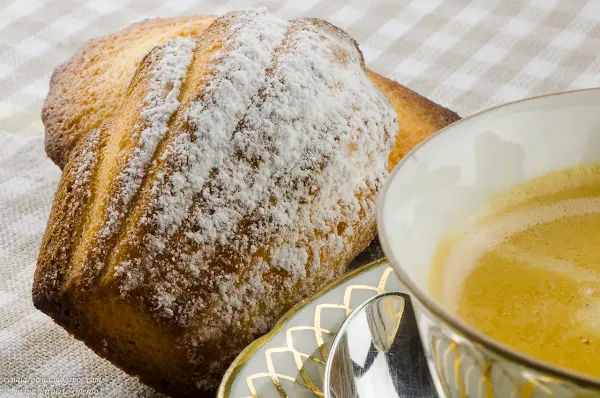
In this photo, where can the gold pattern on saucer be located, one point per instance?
(319, 336)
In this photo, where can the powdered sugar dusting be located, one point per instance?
(291, 134)
(287, 258)
(159, 105)
(238, 75)
(131, 277)
(88, 160)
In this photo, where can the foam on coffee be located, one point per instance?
(525, 269)
(466, 247)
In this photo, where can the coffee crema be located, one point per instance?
(525, 270)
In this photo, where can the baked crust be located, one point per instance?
(418, 117)
(238, 177)
(87, 89)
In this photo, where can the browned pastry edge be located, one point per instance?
(418, 117)
(79, 102)
(78, 305)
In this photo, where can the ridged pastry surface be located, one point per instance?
(87, 89)
(239, 176)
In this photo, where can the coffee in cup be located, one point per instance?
(525, 269)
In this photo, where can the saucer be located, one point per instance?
(290, 360)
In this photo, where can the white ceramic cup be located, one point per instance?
(445, 180)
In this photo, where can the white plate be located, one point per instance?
(290, 360)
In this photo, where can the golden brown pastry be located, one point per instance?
(238, 177)
(418, 117)
(87, 89)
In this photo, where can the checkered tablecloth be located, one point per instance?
(466, 55)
